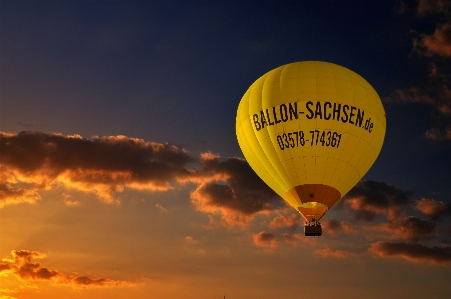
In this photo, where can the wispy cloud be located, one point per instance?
(336, 253)
(414, 252)
(22, 266)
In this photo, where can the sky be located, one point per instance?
(121, 175)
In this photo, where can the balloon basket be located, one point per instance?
(313, 229)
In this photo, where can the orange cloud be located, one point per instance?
(22, 267)
(291, 221)
(10, 195)
(265, 239)
(415, 252)
(439, 42)
(433, 208)
(327, 252)
(410, 95)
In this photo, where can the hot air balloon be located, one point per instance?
(311, 130)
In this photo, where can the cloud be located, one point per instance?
(415, 252)
(10, 195)
(369, 198)
(433, 208)
(161, 208)
(69, 202)
(102, 165)
(22, 267)
(265, 239)
(426, 7)
(438, 133)
(280, 221)
(298, 239)
(190, 239)
(334, 227)
(410, 95)
(436, 95)
(435, 48)
(439, 42)
(231, 189)
(410, 228)
(327, 252)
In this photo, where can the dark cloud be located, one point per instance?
(265, 239)
(368, 199)
(333, 227)
(428, 7)
(232, 189)
(22, 266)
(415, 252)
(410, 228)
(102, 165)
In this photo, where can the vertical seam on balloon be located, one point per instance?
(262, 148)
(341, 151)
(275, 169)
(290, 183)
(283, 128)
(254, 153)
(316, 121)
(328, 150)
(301, 158)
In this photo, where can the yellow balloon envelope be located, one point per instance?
(311, 130)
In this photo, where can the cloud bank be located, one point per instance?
(33, 161)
